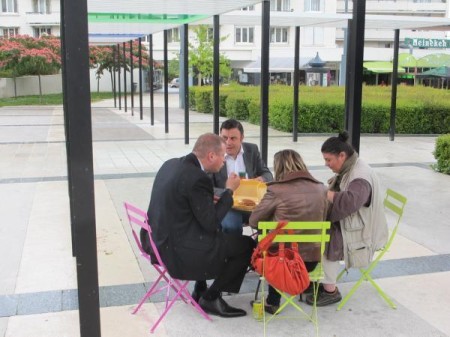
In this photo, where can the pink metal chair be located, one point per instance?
(138, 219)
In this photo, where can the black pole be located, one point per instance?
(265, 43)
(67, 133)
(394, 86)
(141, 111)
(80, 161)
(131, 78)
(151, 79)
(124, 76)
(118, 76)
(296, 80)
(355, 90)
(186, 81)
(348, 74)
(114, 76)
(166, 85)
(216, 74)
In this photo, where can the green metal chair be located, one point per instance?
(393, 202)
(317, 232)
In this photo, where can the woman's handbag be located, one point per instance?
(283, 269)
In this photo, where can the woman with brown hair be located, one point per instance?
(294, 195)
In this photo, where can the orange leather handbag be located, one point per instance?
(283, 269)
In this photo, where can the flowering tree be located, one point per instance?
(25, 55)
(102, 58)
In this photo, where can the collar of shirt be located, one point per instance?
(235, 165)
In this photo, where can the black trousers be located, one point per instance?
(237, 252)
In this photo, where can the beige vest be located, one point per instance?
(364, 231)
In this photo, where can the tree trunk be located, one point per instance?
(98, 84)
(40, 89)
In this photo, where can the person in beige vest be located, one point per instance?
(295, 195)
(359, 225)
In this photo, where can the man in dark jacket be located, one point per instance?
(185, 222)
(243, 159)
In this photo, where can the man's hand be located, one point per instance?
(260, 178)
(330, 196)
(233, 182)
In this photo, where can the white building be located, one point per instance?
(243, 31)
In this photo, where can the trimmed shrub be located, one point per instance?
(237, 107)
(203, 99)
(442, 154)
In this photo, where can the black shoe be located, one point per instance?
(220, 308)
(324, 298)
(308, 291)
(197, 294)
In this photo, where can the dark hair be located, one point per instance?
(232, 124)
(338, 144)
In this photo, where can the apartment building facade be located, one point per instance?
(242, 30)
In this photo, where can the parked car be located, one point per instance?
(175, 83)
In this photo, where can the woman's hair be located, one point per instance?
(287, 161)
(336, 145)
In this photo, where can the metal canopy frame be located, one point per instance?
(115, 22)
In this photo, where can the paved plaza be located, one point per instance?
(38, 296)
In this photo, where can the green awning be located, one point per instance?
(381, 67)
(406, 60)
(434, 61)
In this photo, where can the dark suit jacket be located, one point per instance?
(254, 166)
(184, 220)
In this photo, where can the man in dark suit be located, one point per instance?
(243, 159)
(185, 222)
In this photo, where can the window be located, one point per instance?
(313, 35)
(279, 34)
(9, 32)
(42, 31)
(248, 8)
(173, 35)
(41, 6)
(9, 6)
(280, 5)
(244, 34)
(312, 5)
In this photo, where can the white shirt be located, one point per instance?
(236, 165)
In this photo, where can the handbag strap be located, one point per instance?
(265, 243)
(294, 245)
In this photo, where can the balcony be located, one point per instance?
(43, 19)
(400, 7)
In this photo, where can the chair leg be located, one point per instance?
(382, 293)
(149, 293)
(351, 292)
(170, 304)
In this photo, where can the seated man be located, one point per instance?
(243, 159)
(185, 222)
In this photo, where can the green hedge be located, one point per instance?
(420, 110)
(442, 154)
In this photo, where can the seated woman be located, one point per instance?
(358, 224)
(294, 195)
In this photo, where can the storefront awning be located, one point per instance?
(381, 67)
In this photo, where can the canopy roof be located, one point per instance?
(436, 72)
(381, 67)
(429, 61)
(116, 21)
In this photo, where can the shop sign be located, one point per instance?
(427, 43)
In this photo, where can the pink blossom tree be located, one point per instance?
(25, 55)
